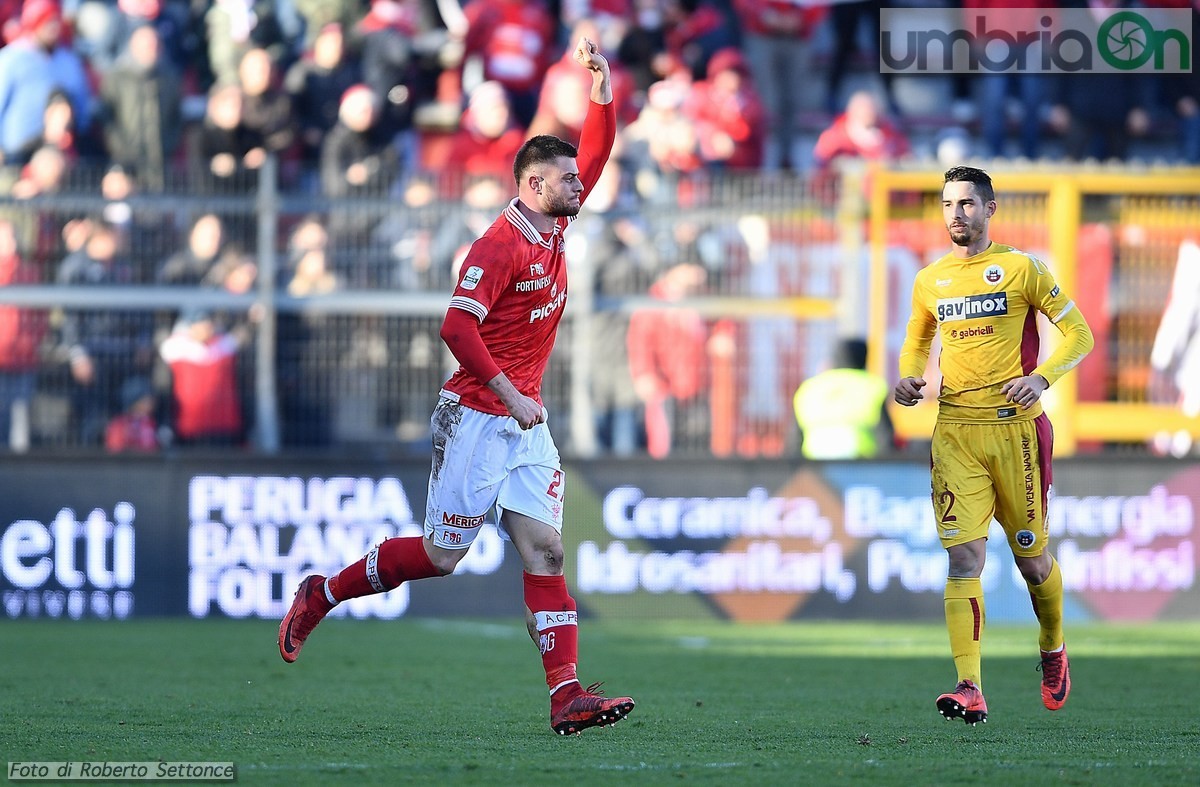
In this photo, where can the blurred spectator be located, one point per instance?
(388, 60)
(191, 265)
(39, 226)
(358, 159)
(102, 31)
(135, 428)
(695, 31)
(21, 334)
(219, 144)
(203, 363)
(777, 38)
(233, 27)
(45, 174)
(846, 18)
(235, 271)
(728, 114)
(1026, 91)
(140, 110)
(643, 47)
(487, 139)
(147, 232)
(31, 68)
(266, 109)
(1098, 114)
(513, 38)
(58, 131)
(860, 132)
(667, 359)
(426, 236)
(842, 412)
(105, 346)
(315, 84)
(309, 234)
(10, 26)
(317, 14)
(662, 139)
(311, 274)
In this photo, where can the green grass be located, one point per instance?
(463, 702)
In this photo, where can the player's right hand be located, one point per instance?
(526, 412)
(587, 54)
(908, 391)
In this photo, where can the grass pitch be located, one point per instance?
(424, 702)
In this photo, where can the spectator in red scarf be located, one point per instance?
(728, 114)
(514, 40)
(203, 362)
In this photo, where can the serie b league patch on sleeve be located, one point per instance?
(472, 277)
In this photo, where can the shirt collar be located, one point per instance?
(525, 227)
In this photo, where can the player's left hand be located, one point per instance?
(587, 54)
(1024, 391)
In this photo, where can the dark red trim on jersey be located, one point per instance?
(978, 617)
(1030, 343)
(460, 332)
(1045, 451)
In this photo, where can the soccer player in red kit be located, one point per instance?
(491, 444)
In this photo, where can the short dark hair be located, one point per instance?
(980, 179)
(542, 149)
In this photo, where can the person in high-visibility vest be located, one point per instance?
(841, 411)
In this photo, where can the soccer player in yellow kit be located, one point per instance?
(992, 443)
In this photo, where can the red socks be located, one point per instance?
(558, 633)
(392, 562)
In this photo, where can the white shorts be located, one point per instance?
(481, 461)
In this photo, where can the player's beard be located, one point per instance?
(557, 205)
(966, 235)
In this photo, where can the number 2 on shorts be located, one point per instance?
(947, 498)
(552, 490)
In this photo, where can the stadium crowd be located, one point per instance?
(426, 102)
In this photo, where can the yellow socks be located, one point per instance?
(964, 621)
(1048, 606)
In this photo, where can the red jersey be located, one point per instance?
(514, 280)
(205, 385)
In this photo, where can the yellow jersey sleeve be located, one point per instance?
(918, 337)
(984, 310)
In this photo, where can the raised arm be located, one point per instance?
(600, 125)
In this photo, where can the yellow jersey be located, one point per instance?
(984, 308)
